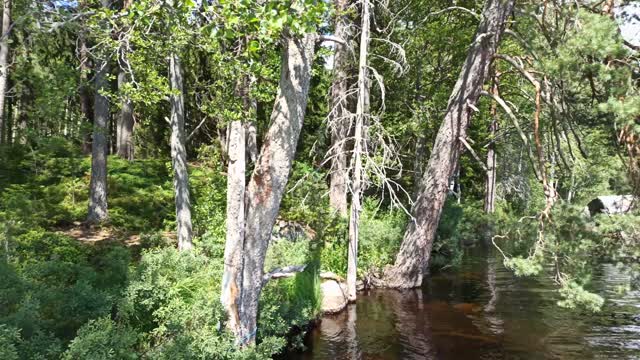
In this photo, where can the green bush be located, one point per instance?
(102, 339)
(52, 285)
(381, 234)
(9, 337)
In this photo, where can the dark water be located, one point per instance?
(481, 311)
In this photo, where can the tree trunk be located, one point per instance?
(4, 62)
(251, 133)
(238, 152)
(98, 210)
(243, 276)
(98, 187)
(359, 137)
(339, 115)
(124, 131)
(179, 156)
(124, 127)
(413, 258)
(85, 95)
(233, 250)
(490, 175)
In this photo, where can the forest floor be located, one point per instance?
(93, 235)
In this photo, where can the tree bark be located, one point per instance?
(124, 127)
(4, 62)
(233, 250)
(243, 276)
(85, 94)
(98, 186)
(359, 138)
(238, 152)
(413, 258)
(339, 114)
(179, 156)
(124, 130)
(490, 173)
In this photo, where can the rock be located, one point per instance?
(334, 296)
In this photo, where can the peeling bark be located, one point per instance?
(263, 194)
(179, 156)
(413, 258)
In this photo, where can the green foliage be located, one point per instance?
(523, 266)
(380, 237)
(8, 339)
(575, 295)
(48, 186)
(53, 284)
(209, 200)
(283, 252)
(102, 339)
(289, 305)
(460, 225)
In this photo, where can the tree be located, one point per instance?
(98, 211)
(125, 123)
(243, 276)
(490, 173)
(359, 140)
(179, 156)
(413, 258)
(4, 64)
(339, 114)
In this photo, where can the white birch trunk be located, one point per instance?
(179, 156)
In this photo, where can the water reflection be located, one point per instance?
(480, 312)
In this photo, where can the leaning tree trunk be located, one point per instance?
(413, 258)
(359, 138)
(4, 61)
(179, 156)
(124, 129)
(338, 116)
(244, 268)
(99, 148)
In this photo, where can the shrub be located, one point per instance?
(102, 339)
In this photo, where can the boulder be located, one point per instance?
(334, 296)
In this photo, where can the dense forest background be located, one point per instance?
(176, 177)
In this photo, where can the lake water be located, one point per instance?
(480, 311)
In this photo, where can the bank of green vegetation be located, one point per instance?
(133, 295)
